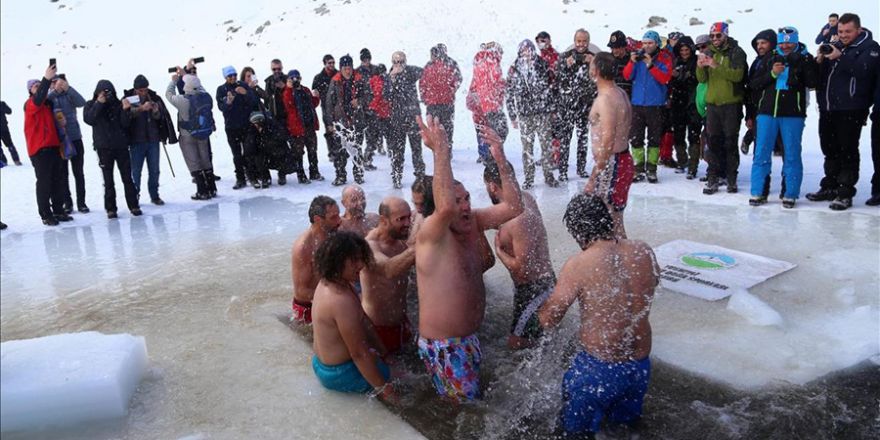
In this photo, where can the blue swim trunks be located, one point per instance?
(345, 377)
(593, 389)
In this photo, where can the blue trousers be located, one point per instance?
(791, 129)
(148, 151)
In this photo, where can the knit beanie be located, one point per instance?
(229, 71)
(31, 83)
(140, 82)
(618, 39)
(191, 83)
(652, 35)
(346, 61)
(787, 34)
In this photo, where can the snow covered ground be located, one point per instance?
(203, 281)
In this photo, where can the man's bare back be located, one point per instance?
(302, 266)
(615, 288)
(521, 244)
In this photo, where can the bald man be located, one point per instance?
(385, 284)
(356, 218)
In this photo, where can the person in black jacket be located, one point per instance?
(576, 94)
(151, 125)
(686, 121)
(764, 44)
(236, 100)
(110, 120)
(530, 105)
(272, 98)
(617, 43)
(400, 90)
(848, 75)
(782, 109)
(5, 135)
(320, 85)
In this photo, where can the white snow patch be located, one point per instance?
(755, 311)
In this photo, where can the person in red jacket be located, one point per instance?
(44, 149)
(486, 95)
(381, 108)
(302, 123)
(440, 80)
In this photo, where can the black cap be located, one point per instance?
(346, 61)
(140, 82)
(618, 39)
(543, 34)
(365, 54)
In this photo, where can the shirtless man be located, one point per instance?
(423, 200)
(610, 118)
(449, 268)
(356, 218)
(385, 283)
(324, 218)
(613, 280)
(521, 245)
(346, 348)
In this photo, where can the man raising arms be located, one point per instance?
(613, 280)
(610, 117)
(449, 268)
(356, 218)
(324, 219)
(385, 282)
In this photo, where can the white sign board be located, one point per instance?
(712, 272)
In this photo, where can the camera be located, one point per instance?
(198, 60)
(640, 54)
(53, 62)
(172, 70)
(134, 100)
(778, 59)
(825, 49)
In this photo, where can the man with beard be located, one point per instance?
(324, 219)
(450, 265)
(576, 94)
(385, 284)
(618, 43)
(356, 218)
(521, 245)
(343, 113)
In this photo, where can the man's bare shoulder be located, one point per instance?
(303, 243)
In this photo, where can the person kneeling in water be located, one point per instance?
(613, 280)
(347, 350)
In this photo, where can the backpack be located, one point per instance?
(201, 117)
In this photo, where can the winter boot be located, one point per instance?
(841, 204)
(711, 186)
(211, 182)
(757, 200)
(201, 191)
(824, 194)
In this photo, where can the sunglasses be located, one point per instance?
(276, 69)
(716, 36)
(399, 62)
(702, 46)
(787, 30)
(330, 63)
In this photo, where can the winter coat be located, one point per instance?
(751, 97)
(272, 142)
(299, 106)
(401, 91)
(39, 121)
(726, 83)
(379, 105)
(273, 100)
(109, 121)
(551, 56)
(619, 79)
(650, 83)
(165, 124)
(528, 87)
(4, 110)
(337, 104)
(67, 103)
(322, 82)
(440, 80)
(847, 83)
(683, 88)
(825, 39)
(786, 95)
(237, 115)
(486, 92)
(368, 71)
(576, 89)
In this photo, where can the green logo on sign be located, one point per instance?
(708, 260)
